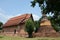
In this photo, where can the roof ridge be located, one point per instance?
(18, 16)
(24, 18)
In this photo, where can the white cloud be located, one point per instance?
(5, 17)
(50, 14)
(35, 17)
(2, 15)
(10, 16)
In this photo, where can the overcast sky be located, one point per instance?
(11, 8)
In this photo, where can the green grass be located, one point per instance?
(21, 38)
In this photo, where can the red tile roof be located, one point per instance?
(17, 20)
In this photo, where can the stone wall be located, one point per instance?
(9, 31)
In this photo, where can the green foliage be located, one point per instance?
(55, 24)
(50, 6)
(1, 25)
(37, 25)
(29, 27)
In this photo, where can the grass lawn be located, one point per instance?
(20, 38)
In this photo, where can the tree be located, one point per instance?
(29, 27)
(37, 25)
(49, 6)
(54, 23)
(1, 25)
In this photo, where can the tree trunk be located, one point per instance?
(30, 35)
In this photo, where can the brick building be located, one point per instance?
(15, 26)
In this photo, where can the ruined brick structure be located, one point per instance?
(16, 26)
(45, 29)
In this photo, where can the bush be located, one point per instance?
(29, 27)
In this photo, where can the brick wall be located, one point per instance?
(9, 31)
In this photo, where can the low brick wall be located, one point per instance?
(46, 32)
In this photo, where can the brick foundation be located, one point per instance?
(46, 31)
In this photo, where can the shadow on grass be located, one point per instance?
(30, 37)
(1, 36)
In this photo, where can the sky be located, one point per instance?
(12, 8)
